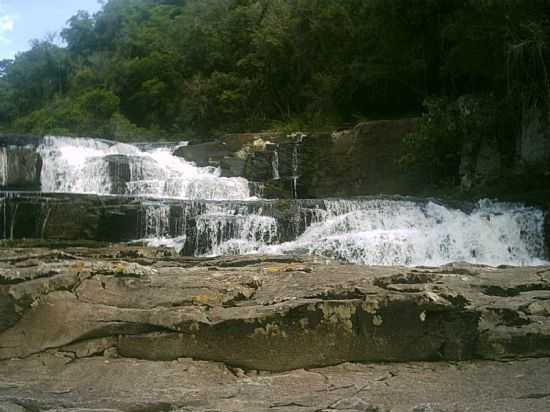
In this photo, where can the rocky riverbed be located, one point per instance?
(140, 329)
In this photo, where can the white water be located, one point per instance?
(234, 231)
(275, 165)
(374, 232)
(221, 229)
(370, 232)
(94, 166)
(3, 166)
(157, 228)
(379, 232)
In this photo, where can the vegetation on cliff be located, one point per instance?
(144, 68)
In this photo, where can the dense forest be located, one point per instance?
(144, 68)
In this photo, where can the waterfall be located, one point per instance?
(157, 228)
(370, 232)
(196, 211)
(275, 164)
(380, 232)
(102, 167)
(225, 230)
(3, 166)
(298, 139)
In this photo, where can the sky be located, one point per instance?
(24, 20)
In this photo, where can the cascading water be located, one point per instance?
(375, 232)
(3, 166)
(371, 232)
(380, 232)
(233, 231)
(102, 167)
(275, 164)
(298, 139)
(157, 228)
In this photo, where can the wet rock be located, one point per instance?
(20, 168)
(259, 166)
(121, 219)
(233, 167)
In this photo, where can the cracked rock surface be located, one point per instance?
(139, 329)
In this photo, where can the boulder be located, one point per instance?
(233, 167)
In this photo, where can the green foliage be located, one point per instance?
(200, 66)
(435, 146)
(99, 104)
(446, 127)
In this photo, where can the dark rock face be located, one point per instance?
(20, 163)
(547, 232)
(123, 219)
(204, 154)
(119, 172)
(20, 168)
(361, 161)
(124, 169)
(533, 145)
(19, 140)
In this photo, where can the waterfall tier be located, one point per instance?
(369, 231)
(102, 167)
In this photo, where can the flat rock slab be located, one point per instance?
(54, 382)
(265, 313)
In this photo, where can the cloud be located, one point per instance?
(7, 25)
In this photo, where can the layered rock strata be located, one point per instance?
(116, 329)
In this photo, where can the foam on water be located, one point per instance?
(379, 232)
(101, 167)
(224, 230)
(373, 232)
(370, 232)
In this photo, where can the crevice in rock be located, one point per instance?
(507, 292)
(535, 396)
